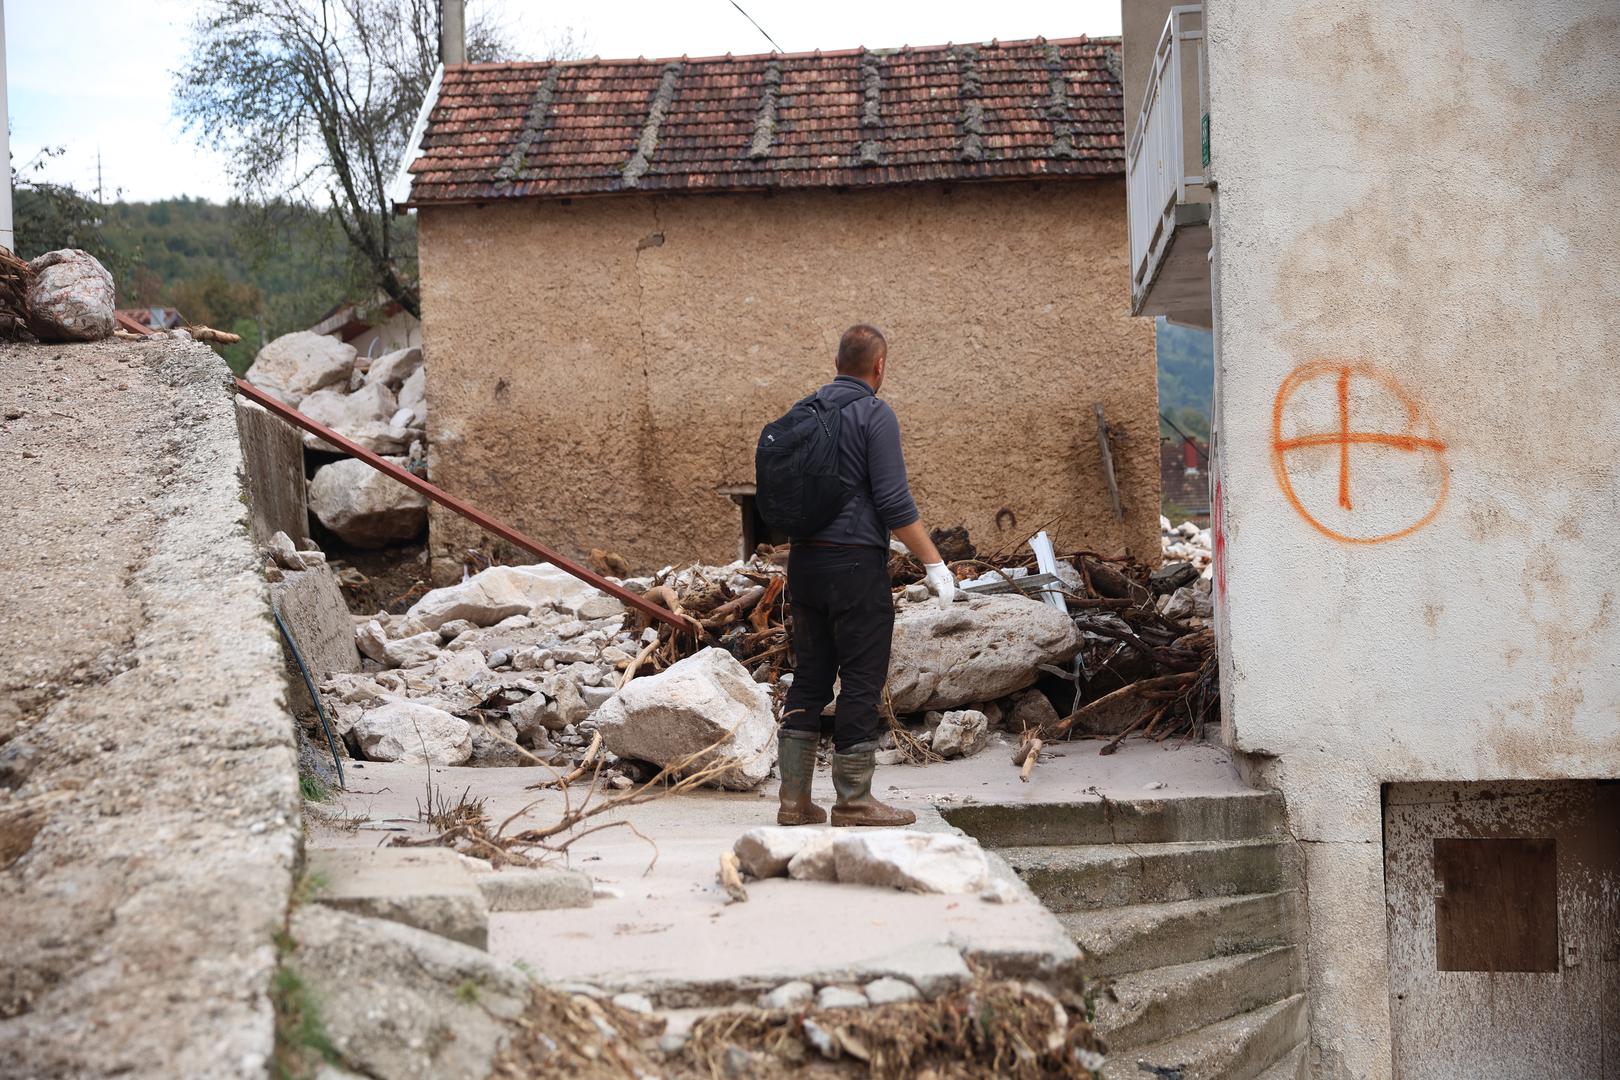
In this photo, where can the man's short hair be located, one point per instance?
(860, 349)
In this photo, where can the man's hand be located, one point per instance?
(941, 582)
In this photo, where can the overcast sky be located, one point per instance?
(93, 75)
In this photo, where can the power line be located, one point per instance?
(758, 27)
(1188, 439)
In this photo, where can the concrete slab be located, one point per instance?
(666, 930)
(427, 888)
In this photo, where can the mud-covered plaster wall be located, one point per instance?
(1420, 201)
(597, 368)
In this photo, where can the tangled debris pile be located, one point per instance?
(989, 1027)
(526, 665)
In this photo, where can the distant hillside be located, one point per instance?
(1186, 377)
(255, 271)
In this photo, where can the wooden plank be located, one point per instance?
(1108, 462)
(1496, 904)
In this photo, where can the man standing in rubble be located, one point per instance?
(843, 613)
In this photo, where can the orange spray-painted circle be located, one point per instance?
(1346, 438)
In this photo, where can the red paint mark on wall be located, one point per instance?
(1371, 383)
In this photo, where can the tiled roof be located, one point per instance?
(1007, 110)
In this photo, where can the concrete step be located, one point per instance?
(1113, 875)
(1246, 816)
(1151, 1006)
(1117, 940)
(1292, 1066)
(1241, 1048)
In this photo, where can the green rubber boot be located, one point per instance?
(852, 779)
(796, 761)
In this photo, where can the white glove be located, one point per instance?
(941, 582)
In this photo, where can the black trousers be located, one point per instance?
(843, 624)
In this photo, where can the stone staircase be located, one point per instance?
(1185, 910)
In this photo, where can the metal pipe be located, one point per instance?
(466, 510)
(314, 695)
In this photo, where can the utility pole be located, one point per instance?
(452, 32)
(8, 239)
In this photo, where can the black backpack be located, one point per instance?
(797, 489)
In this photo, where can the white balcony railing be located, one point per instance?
(1156, 158)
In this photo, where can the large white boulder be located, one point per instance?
(392, 369)
(413, 394)
(363, 416)
(413, 733)
(295, 365)
(364, 507)
(71, 297)
(497, 593)
(978, 650)
(912, 861)
(706, 700)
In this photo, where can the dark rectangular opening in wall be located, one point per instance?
(754, 530)
(1496, 904)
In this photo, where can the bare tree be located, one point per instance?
(313, 101)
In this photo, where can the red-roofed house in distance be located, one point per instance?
(628, 267)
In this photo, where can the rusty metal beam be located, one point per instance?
(466, 510)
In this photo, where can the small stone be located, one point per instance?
(1154, 785)
(889, 757)
(13, 413)
(840, 997)
(961, 733)
(998, 891)
(821, 1039)
(500, 658)
(636, 1003)
(789, 996)
(889, 991)
(453, 629)
(916, 592)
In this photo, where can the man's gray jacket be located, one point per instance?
(870, 462)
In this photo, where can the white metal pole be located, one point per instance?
(8, 239)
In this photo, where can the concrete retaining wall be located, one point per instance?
(158, 786)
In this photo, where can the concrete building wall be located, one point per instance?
(598, 368)
(1416, 240)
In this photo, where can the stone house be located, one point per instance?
(1398, 220)
(628, 267)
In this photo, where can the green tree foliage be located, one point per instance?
(50, 216)
(1186, 378)
(313, 101)
(257, 271)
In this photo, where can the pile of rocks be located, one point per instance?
(532, 656)
(515, 654)
(380, 404)
(1187, 542)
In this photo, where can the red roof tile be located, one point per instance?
(1007, 110)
